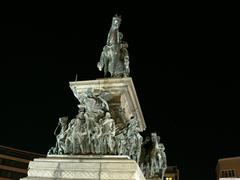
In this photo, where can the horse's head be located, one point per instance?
(154, 137)
(116, 20)
(113, 34)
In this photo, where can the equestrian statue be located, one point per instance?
(114, 57)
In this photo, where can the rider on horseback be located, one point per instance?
(114, 57)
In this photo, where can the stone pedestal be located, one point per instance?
(123, 93)
(119, 98)
(84, 167)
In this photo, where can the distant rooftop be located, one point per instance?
(229, 158)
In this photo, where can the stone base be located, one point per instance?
(84, 167)
(123, 93)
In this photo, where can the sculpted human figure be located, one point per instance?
(94, 105)
(73, 137)
(60, 143)
(80, 132)
(84, 133)
(134, 139)
(69, 137)
(90, 130)
(83, 138)
(163, 160)
(121, 144)
(76, 137)
(154, 155)
(159, 159)
(108, 132)
(144, 157)
(96, 139)
(124, 56)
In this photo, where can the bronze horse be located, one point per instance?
(153, 158)
(114, 57)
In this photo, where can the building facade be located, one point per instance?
(172, 173)
(14, 162)
(228, 168)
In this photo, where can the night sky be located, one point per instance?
(181, 62)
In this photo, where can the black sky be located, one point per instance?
(181, 62)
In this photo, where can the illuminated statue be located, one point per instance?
(114, 57)
(153, 161)
(60, 147)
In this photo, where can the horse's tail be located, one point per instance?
(100, 64)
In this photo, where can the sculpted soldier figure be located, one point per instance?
(108, 130)
(134, 139)
(93, 104)
(60, 147)
(163, 160)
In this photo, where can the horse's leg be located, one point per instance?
(100, 64)
(106, 62)
(151, 167)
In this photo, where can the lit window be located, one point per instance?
(228, 173)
